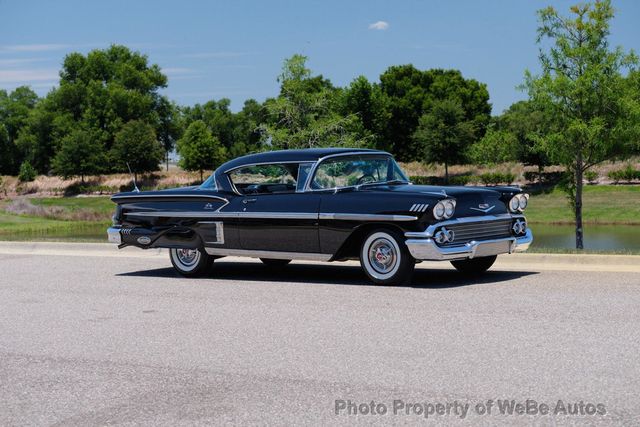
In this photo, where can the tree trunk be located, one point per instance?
(446, 173)
(200, 175)
(578, 207)
(540, 169)
(167, 157)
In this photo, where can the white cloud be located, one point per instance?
(380, 25)
(26, 76)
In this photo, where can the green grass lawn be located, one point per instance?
(32, 227)
(602, 204)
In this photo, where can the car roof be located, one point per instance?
(304, 155)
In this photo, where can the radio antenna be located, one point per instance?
(133, 178)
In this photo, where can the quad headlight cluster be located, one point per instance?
(519, 202)
(444, 209)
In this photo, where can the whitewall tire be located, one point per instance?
(190, 262)
(385, 258)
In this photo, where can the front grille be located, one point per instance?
(484, 230)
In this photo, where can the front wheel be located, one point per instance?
(385, 258)
(190, 262)
(474, 265)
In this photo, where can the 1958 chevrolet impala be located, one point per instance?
(327, 205)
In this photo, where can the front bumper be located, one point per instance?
(427, 249)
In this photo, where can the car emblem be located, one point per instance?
(484, 207)
(144, 240)
(208, 206)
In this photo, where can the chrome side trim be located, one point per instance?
(163, 196)
(464, 220)
(268, 254)
(276, 215)
(219, 232)
(365, 217)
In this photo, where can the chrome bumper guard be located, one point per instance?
(113, 234)
(426, 248)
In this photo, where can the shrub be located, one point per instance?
(495, 178)
(27, 172)
(627, 174)
(591, 176)
(531, 176)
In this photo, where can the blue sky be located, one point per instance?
(235, 49)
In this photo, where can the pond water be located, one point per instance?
(596, 237)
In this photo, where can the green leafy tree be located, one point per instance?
(79, 155)
(496, 146)
(444, 133)
(583, 88)
(15, 108)
(136, 144)
(27, 172)
(168, 126)
(199, 150)
(304, 114)
(412, 93)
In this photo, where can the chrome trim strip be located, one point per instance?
(163, 196)
(365, 217)
(219, 232)
(247, 165)
(312, 172)
(276, 215)
(268, 254)
(464, 220)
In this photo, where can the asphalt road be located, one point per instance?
(93, 339)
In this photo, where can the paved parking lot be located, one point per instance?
(89, 336)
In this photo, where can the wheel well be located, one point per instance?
(351, 247)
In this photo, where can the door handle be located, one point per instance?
(245, 201)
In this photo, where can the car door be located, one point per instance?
(276, 215)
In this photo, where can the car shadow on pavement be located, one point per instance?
(332, 274)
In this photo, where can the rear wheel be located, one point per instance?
(190, 262)
(385, 258)
(270, 262)
(474, 265)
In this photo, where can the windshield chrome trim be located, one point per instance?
(313, 170)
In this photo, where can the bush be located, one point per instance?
(627, 174)
(438, 180)
(495, 178)
(27, 172)
(591, 176)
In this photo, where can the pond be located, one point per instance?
(597, 237)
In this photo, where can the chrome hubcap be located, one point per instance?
(382, 255)
(188, 257)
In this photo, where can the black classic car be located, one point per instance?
(324, 205)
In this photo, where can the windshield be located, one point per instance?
(356, 170)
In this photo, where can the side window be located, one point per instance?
(265, 179)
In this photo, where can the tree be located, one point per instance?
(444, 133)
(15, 108)
(199, 150)
(136, 144)
(496, 146)
(168, 126)
(304, 114)
(79, 155)
(412, 93)
(582, 87)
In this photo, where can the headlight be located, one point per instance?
(518, 202)
(444, 209)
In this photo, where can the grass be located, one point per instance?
(73, 218)
(602, 204)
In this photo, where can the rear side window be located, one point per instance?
(265, 179)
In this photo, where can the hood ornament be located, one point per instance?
(484, 207)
